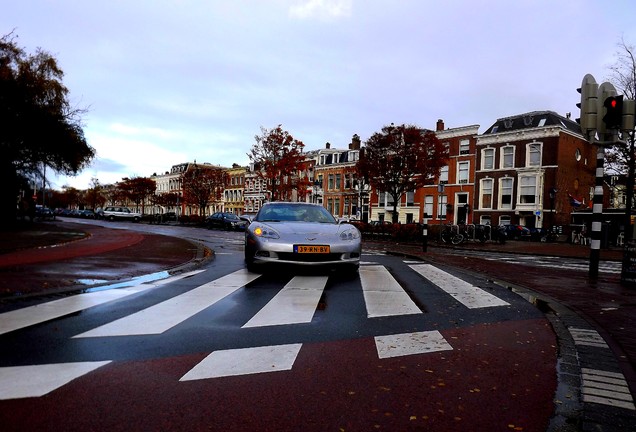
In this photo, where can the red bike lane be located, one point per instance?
(497, 377)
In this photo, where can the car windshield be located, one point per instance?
(294, 213)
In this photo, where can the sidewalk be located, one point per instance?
(60, 256)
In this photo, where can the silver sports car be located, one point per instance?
(300, 233)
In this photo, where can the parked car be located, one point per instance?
(517, 232)
(87, 213)
(44, 213)
(116, 212)
(226, 221)
(300, 233)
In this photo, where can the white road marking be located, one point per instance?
(606, 388)
(244, 361)
(163, 316)
(295, 303)
(467, 294)
(587, 337)
(383, 295)
(410, 344)
(20, 318)
(34, 381)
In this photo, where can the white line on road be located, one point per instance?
(411, 343)
(163, 316)
(467, 294)
(295, 303)
(245, 361)
(383, 295)
(38, 380)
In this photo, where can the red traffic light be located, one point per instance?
(614, 112)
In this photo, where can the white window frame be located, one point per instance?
(461, 170)
(428, 205)
(483, 187)
(527, 183)
(488, 154)
(443, 175)
(503, 162)
(464, 147)
(534, 150)
(502, 189)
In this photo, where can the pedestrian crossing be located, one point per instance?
(295, 303)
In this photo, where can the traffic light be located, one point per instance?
(613, 118)
(588, 104)
(605, 91)
(629, 113)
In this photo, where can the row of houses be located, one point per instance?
(533, 169)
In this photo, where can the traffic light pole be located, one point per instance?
(597, 214)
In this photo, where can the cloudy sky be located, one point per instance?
(167, 82)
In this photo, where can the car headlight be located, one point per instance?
(265, 232)
(350, 234)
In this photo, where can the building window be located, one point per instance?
(443, 175)
(534, 154)
(410, 198)
(488, 158)
(462, 169)
(464, 146)
(504, 220)
(486, 194)
(338, 181)
(428, 205)
(441, 209)
(508, 157)
(381, 199)
(505, 186)
(484, 219)
(527, 189)
(330, 187)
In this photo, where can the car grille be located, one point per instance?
(290, 256)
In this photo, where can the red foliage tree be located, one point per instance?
(279, 160)
(203, 186)
(399, 159)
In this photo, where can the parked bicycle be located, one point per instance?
(452, 235)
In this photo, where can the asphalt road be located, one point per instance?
(223, 349)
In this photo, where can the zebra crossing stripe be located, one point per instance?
(20, 318)
(410, 344)
(467, 294)
(163, 316)
(245, 361)
(383, 295)
(38, 380)
(28, 316)
(295, 303)
(587, 337)
(606, 388)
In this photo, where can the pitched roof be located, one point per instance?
(534, 119)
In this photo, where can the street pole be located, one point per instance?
(597, 214)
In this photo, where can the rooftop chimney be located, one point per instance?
(327, 146)
(440, 125)
(355, 142)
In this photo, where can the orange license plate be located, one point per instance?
(314, 249)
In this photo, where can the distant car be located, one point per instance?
(303, 234)
(87, 213)
(226, 221)
(44, 212)
(116, 212)
(517, 232)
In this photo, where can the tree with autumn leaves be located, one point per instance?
(203, 186)
(399, 159)
(279, 160)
